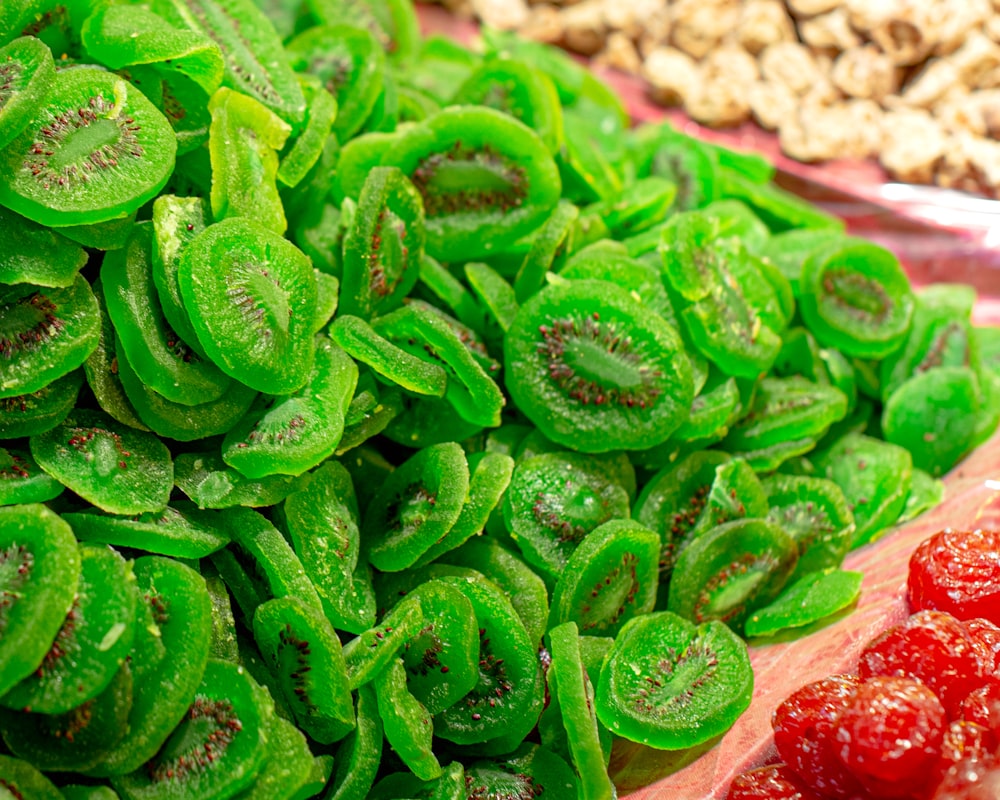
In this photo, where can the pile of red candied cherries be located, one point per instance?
(921, 717)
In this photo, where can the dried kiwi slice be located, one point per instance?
(37, 255)
(23, 481)
(304, 653)
(485, 179)
(39, 574)
(531, 771)
(812, 598)
(211, 483)
(168, 659)
(407, 725)
(372, 650)
(18, 779)
(27, 73)
(118, 469)
(670, 684)
(358, 757)
(97, 150)
(415, 507)
(594, 370)
(93, 642)
(215, 750)
(44, 334)
(251, 295)
(28, 414)
(291, 434)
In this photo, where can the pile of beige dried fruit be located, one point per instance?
(914, 83)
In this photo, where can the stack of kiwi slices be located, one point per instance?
(384, 419)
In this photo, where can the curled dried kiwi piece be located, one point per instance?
(44, 334)
(23, 481)
(28, 414)
(485, 179)
(595, 370)
(39, 573)
(27, 73)
(670, 684)
(812, 598)
(358, 757)
(118, 469)
(251, 295)
(97, 150)
(407, 725)
(303, 651)
(215, 750)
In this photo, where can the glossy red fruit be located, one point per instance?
(987, 635)
(964, 741)
(982, 706)
(932, 647)
(804, 727)
(957, 572)
(773, 782)
(971, 779)
(889, 736)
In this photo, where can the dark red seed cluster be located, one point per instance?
(920, 720)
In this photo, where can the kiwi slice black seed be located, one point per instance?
(44, 334)
(215, 750)
(27, 72)
(530, 772)
(28, 414)
(97, 150)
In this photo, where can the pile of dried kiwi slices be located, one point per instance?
(384, 419)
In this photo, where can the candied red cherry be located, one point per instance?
(971, 779)
(932, 647)
(804, 728)
(889, 735)
(982, 706)
(773, 782)
(957, 572)
(987, 636)
(963, 741)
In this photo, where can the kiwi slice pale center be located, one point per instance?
(463, 180)
(79, 143)
(672, 685)
(592, 361)
(258, 293)
(863, 297)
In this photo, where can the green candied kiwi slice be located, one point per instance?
(731, 570)
(787, 417)
(163, 362)
(288, 766)
(926, 492)
(406, 722)
(322, 523)
(524, 588)
(211, 483)
(530, 771)
(359, 755)
(441, 662)
(168, 659)
(76, 739)
(490, 477)
(520, 90)
(118, 469)
(788, 251)
(384, 246)
(29, 414)
(96, 150)
(251, 295)
(669, 154)
(712, 410)
(874, 477)
(609, 579)
(554, 501)
(426, 335)
(93, 642)
(22, 481)
(728, 309)
(357, 158)
(350, 63)
(854, 296)
(185, 423)
(19, 779)
(814, 512)
(294, 433)
(180, 530)
(810, 599)
(935, 415)
(176, 221)
(303, 651)
(495, 299)
(640, 205)
(243, 141)
(394, 364)
(415, 507)
(217, 747)
(735, 493)
(27, 73)
(255, 62)
(507, 699)
(594, 370)
(575, 697)
(37, 255)
(371, 651)
(670, 684)
(45, 333)
(485, 179)
(549, 246)
(39, 573)
(307, 148)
